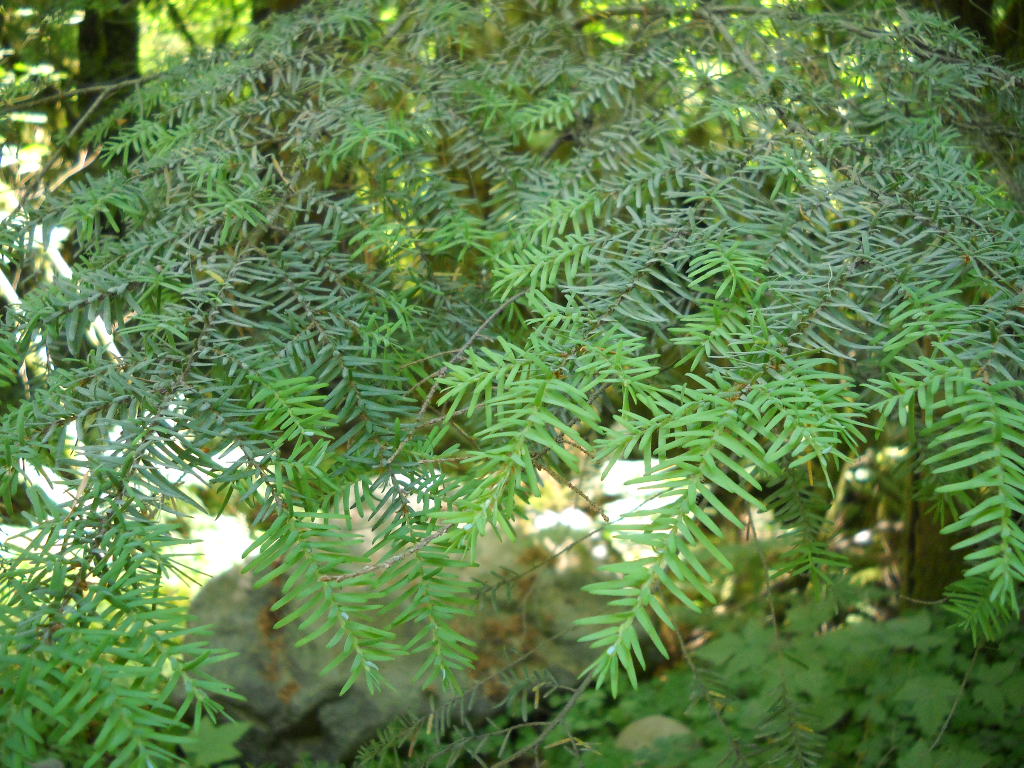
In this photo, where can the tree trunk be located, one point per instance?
(1000, 25)
(261, 9)
(975, 15)
(930, 564)
(108, 50)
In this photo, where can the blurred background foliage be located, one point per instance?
(906, 692)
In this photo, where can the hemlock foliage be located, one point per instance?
(392, 262)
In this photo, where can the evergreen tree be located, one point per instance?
(391, 261)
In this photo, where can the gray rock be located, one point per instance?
(643, 733)
(295, 710)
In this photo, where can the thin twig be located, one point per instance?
(111, 86)
(552, 723)
(179, 24)
(8, 291)
(626, 10)
(39, 180)
(441, 372)
(461, 351)
(442, 353)
(407, 553)
(769, 593)
(399, 23)
(647, 12)
(515, 576)
(918, 601)
(85, 159)
(387, 562)
(705, 692)
(956, 701)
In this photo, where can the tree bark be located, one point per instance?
(1000, 25)
(108, 50)
(975, 15)
(930, 562)
(261, 9)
